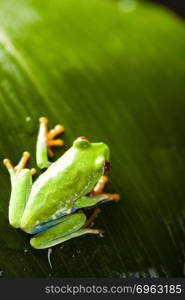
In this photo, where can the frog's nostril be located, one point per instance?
(106, 166)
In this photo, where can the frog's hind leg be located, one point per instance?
(46, 140)
(71, 226)
(21, 182)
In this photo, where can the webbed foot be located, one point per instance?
(46, 140)
(98, 190)
(20, 166)
(51, 134)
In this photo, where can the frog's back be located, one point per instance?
(55, 191)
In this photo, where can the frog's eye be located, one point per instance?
(106, 166)
(81, 142)
(82, 138)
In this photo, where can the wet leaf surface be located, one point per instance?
(113, 76)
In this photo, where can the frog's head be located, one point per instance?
(96, 154)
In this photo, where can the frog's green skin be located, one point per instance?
(72, 176)
(58, 191)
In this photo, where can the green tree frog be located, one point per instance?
(51, 207)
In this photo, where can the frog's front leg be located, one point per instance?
(97, 195)
(21, 182)
(46, 140)
(66, 228)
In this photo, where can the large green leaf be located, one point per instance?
(112, 75)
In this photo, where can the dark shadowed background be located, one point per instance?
(178, 5)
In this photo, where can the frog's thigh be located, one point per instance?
(69, 228)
